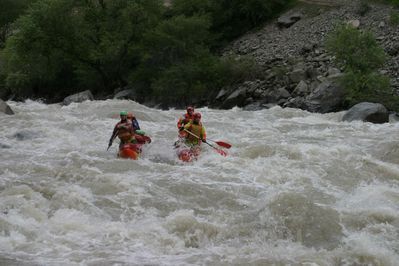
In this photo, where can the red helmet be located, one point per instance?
(130, 115)
(190, 109)
(197, 116)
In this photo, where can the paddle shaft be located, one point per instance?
(192, 134)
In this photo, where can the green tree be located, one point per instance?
(360, 55)
(78, 44)
(176, 44)
(231, 18)
(10, 10)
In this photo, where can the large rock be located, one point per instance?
(237, 98)
(4, 108)
(287, 20)
(79, 97)
(301, 89)
(126, 94)
(327, 97)
(367, 112)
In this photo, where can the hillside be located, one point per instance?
(297, 70)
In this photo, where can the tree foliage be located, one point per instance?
(361, 57)
(78, 43)
(231, 18)
(10, 10)
(63, 46)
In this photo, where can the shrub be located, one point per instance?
(361, 57)
(355, 50)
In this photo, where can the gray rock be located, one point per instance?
(287, 20)
(393, 49)
(332, 71)
(126, 94)
(4, 108)
(297, 102)
(222, 93)
(312, 72)
(297, 75)
(79, 97)
(301, 89)
(394, 118)
(355, 23)
(367, 112)
(282, 93)
(237, 98)
(256, 106)
(327, 97)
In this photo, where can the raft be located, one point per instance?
(130, 151)
(186, 153)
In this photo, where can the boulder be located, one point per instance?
(256, 106)
(367, 112)
(287, 20)
(393, 118)
(301, 89)
(327, 97)
(297, 75)
(355, 23)
(79, 97)
(126, 94)
(237, 98)
(4, 108)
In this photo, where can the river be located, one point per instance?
(296, 189)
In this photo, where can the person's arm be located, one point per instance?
(180, 123)
(114, 133)
(187, 126)
(136, 125)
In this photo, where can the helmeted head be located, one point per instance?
(197, 117)
(190, 110)
(130, 115)
(123, 115)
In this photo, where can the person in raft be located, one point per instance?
(197, 130)
(123, 129)
(135, 123)
(184, 120)
(140, 137)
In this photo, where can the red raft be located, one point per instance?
(130, 151)
(186, 153)
(133, 150)
(189, 154)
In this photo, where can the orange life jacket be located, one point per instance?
(125, 131)
(184, 120)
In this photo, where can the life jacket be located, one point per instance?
(141, 139)
(184, 120)
(196, 129)
(124, 131)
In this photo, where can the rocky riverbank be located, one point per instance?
(298, 72)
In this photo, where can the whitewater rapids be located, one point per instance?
(296, 189)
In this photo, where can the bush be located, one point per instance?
(355, 50)
(370, 88)
(231, 18)
(361, 57)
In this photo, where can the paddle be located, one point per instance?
(221, 152)
(222, 144)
